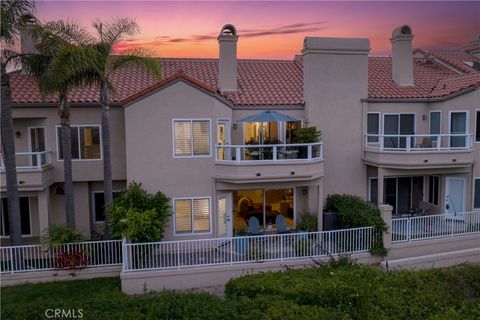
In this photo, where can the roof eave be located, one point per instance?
(431, 99)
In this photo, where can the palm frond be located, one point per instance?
(9, 56)
(55, 32)
(12, 13)
(140, 57)
(115, 29)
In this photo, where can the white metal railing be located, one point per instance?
(419, 142)
(237, 250)
(269, 152)
(37, 257)
(30, 160)
(435, 226)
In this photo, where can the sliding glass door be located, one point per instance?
(396, 125)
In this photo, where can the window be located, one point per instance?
(99, 203)
(459, 129)
(477, 131)
(396, 127)
(191, 138)
(85, 142)
(24, 217)
(476, 193)
(433, 189)
(435, 122)
(373, 190)
(373, 126)
(192, 215)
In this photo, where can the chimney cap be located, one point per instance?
(402, 31)
(228, 30)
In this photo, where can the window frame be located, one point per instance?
(473, 195)
(95, 221)
(79, 146)
(370, 179)
(2, 236)
(191, 120)
(467, 124)
(437, 187)
(193, 233)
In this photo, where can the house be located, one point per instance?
(402, 130)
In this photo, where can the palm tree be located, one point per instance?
(108, 35)
(60, 39)
(12, 13)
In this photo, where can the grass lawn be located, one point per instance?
(334, 291)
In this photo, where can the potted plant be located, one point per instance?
(306, 134)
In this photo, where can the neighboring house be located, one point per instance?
(401, 130)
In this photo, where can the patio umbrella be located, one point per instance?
(268, 116)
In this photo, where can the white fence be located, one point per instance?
(37, 257)
(237, 250)
(435, 226)
(419, 142)
(269, 152)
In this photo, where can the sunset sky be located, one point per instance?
(274, 29)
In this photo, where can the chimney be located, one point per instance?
(402, 56)
(27, 41)
(227, 64)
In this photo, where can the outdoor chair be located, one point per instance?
(254, 226)
(427, 143)
(281, 224)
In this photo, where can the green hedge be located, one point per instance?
(354, 212)
(364, 292)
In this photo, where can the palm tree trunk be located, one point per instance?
(107, 161)
(8, 144)
(64, 112)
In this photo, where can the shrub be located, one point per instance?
(307, 134)
(59, 234)
(139, 215)
(354, 212)
(344, 288)
(307, 222)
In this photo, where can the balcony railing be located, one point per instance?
(269, 152)
(419, 142)
(30, 160)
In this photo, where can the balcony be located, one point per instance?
(269, 162)
(34, 170)
(420, 150)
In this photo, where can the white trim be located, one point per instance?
(29, 219)
(430, 121)
(79, 147)
(473, 193)
(191, 137)
(193, 214)
(467, 120)
(477, 123)
(93, 205)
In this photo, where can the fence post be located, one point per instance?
(386, 214)
(124, 255)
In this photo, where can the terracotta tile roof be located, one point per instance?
(260, 82)
(454, 84)
(426, 74)
(456, 58)
(473, 47)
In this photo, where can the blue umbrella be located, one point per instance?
(269, 116)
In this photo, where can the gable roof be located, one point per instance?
(260, 82)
